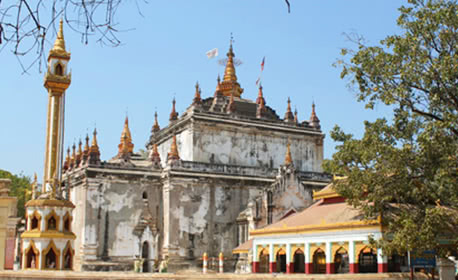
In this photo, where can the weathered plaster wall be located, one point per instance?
(234, 145)
(202, 215)
(107, 211)
(184, 143)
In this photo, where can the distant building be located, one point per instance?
(328, 237)
(227, 165)
(8, 221)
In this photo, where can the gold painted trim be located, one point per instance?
(68, 247)
(35, 251)
(50, 203)
(48, 234)
(374, 224)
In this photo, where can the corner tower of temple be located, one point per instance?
(48, 240)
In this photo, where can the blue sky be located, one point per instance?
(164, 55)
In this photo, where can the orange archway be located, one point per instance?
(299, 261)
(319, 262)
(367, 260)
(281, 260)
(50, 258)
(52, 221)
(264, 261)
(68, 257)
(32, 255)
(341, 261)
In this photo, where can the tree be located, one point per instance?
(25, 25)
(20, 187)
(406, 170)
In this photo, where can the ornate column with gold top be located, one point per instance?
(56, 81)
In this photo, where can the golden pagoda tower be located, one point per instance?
(48, 240)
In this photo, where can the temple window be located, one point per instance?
(34, 223)
(31, 259)
(52, 223)
(68, 260)
(145, 195)
(50, 259)
(59, 70)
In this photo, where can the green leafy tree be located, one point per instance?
(406, 169)
(20, 188)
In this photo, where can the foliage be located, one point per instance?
(20, 187)
(406, 170)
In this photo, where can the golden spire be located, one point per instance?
(59, 45)
(230, 85)
(218, 87)
(197, 99)
(173, 154)
(173, 114)
(86, 145)
(155, 157)
(94, 144)
(296, 117)
(289, 115)
(314, 121)
(94, 153)
(126, 146)
(288, 159)
(156, 126)
(261, 105)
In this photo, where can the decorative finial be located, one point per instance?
(197, 98)
(156, 126)
(173, 114)
(260, 96)
(230, 85)
(94, 152)
(288, 159)
(296, 117)
(126, 147)
(173, 154)
(289, 115)
(34, 186)
(59, 44)
(314, 121)
(155, 157)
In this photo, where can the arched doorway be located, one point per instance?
(319, 262)
(264, 261)
(341, 261)
(145, 256)
(281, 260)
(51, 259)
(68, 257)
(31, 257)
(299, 261)
(367, 260)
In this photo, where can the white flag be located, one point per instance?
(212, 53)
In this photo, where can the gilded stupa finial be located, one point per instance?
(155, 157)
(59, 45)
(197, 98)
(314, 120)
(289, 115)
(156, 126)
(296, 117)
(288, 158)
(126, 146)
(260, 96)
(173, 114)
(173, 154)
(229, 84)
(94, 152)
